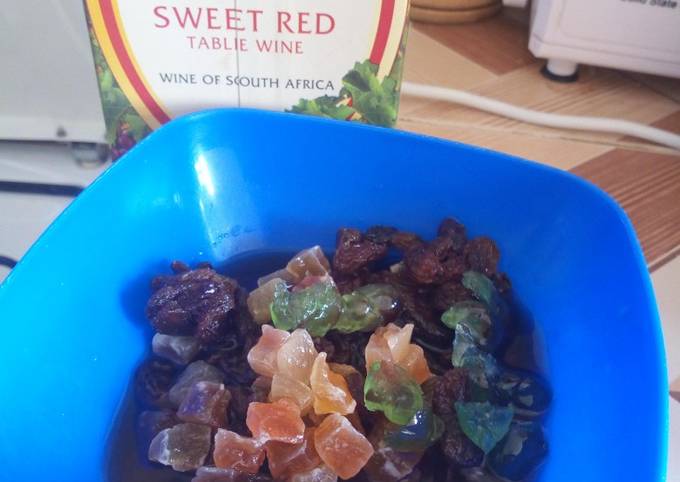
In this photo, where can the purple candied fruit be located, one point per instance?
(205, 403)
(184, 447)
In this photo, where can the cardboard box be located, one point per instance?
(158, 59)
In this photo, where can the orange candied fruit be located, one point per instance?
(232, 451)
(288, 459)
(416, 364)
(279, 421)
(262, 357)
(341, 446)
(330, 391)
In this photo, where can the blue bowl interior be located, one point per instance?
(223, 183)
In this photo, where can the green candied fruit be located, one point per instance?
(391, 390)
(481, 366)
(423, 430)
(367, 308)
(485, 291)
(472, 314)
(484, 424)
(315, 308)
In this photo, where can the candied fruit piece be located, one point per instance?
(520, 452)
(391, 390)
(233, 451)
(215, 474)
(315, 308)
(398, 339)
(262, 357)
(309, 262)
(388, 464)
(260, 300)
(279, 421)
(415, 364)
(150, 422)
(184, 446)
(205, 403)
(341, 447)
(317, 474)
(330, 390)
(198, 371)
(286, 459)
(483, 423)
(367, 308)
(178, 349)
(284, 386)
(297, 355)
(423, 430)
(377, 350)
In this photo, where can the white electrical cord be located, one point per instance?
(601, 124)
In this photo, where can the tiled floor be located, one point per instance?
(491, 58)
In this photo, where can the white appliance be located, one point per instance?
(48, 87)
(637, 35)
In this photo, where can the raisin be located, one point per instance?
(324, 344)
(179, 267)
(458, 449)
(448, 389)
(353, 251)
(380, 234)
(449, 293)
(442, 247)
(502, 282)
(347, 283)
(403, 241)
(482, 255)
(423, 265)
(195, 302)
(153, 381)
(451, 228)
(238, 407)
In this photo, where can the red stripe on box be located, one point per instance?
(126, 62)
(383, 33)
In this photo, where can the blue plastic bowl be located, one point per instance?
(221, 183)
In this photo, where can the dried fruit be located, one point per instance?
(278, 421)
(315, 308)
(260, 300)
(482, 255)
(330, 391)
(423, 265)
(153, 380)
(391, 390)
(520, 452)
(198, 371)
(205, 403)
(423, 430)
(446, 390)
(196, 303)
(415, 364)
(458, 448)
(483, 423)
(354, 251)
(283, 386)
(288, 459)
(233, 451)
(296, 356)
(178, 349)
(215, 474)
(341, 447)
(309, 262)
(150, 423)
(263, 356)
(318, 474)
(184, 446)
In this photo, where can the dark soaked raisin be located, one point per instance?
(179, 267)
(448, 389)
(451, 228)
(195, 303)
(423, 265)
(442, 247)
(458, 449)
(324, 344)
(403, 241)
(449, 293)
(153, 381)
(238, 407)
(347, 283)
(482, 255)
(353, 251)
(236, 369)
(502, 282)
(380, 234)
